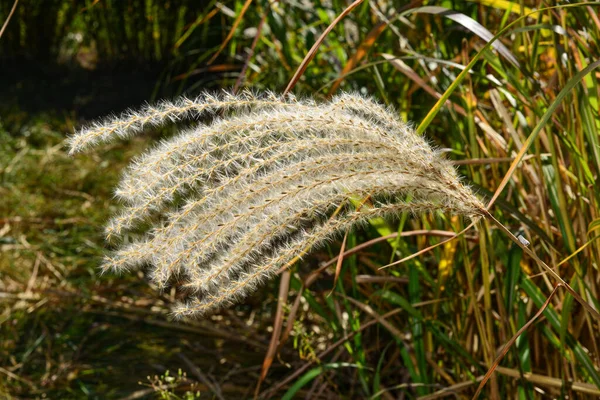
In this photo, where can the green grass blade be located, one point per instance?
(312, 374)
(553, 318)
(442, 100)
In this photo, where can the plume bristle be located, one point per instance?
(227, 204)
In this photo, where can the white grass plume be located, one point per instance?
(270, 178)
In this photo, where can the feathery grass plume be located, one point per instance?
(269, 179)
(134, 122)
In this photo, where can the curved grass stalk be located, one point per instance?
(262, 235)
(248, 282)
(146, 195)
(219, 212)
(134, 122)
(225, 210)
(250, 132)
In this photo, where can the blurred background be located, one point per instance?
(427, 328)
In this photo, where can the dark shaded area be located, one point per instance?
(32, 88)
(110, 353)
(140, 30)
(85, 59)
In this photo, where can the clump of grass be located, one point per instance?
(232, 202)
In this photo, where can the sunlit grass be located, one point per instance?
(432, 324)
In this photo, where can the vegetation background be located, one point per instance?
(426, 328)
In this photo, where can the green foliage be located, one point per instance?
(104, 31)
(431, 324)
(163, 386)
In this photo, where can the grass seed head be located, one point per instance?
(223, 206)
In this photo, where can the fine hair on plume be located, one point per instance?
(222, 206)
